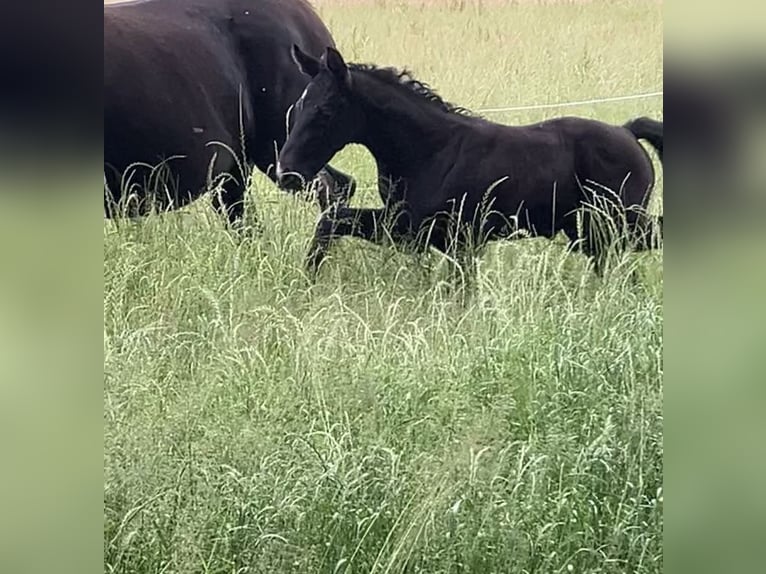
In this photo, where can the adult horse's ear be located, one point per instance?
(307, 64)
(335, 63)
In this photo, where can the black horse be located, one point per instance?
(195, 91)
(453, 180)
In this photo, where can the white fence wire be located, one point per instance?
(569, 104)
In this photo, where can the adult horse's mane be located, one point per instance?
(404, 79)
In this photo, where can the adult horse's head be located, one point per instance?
(324, 119)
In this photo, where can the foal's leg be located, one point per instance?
(338, 222)
(582, 244)
(594, 247)
(463, 272)
(464, 267)
(342, 221)
(458, 248)
(649, 230)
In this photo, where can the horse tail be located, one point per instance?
(644, 128)
(647, 129)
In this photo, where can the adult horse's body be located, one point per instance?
(202, 88)
(453, 178)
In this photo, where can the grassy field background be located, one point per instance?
(372, 422)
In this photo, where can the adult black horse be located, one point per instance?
(195, 91)
(452, 179)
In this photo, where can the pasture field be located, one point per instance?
(373, 422)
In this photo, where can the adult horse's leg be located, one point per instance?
(128, 194)
(333, 187)
(324, 190)
(110, 199)
(229, 202)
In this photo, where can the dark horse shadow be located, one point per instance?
(453, 181)
(196, 92)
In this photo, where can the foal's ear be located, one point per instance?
(309, 65)
(334, 62)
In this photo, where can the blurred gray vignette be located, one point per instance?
(715, 315)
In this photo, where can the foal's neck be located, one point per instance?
(400, 132)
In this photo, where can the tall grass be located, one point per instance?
(373, 422)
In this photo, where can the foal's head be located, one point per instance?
(324, 119)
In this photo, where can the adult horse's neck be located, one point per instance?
(401, 130)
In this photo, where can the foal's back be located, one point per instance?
(564, 151)
(612, 156)
(576, 151)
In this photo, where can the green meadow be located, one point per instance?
(374, 422)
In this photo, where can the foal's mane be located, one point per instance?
(404, 79)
